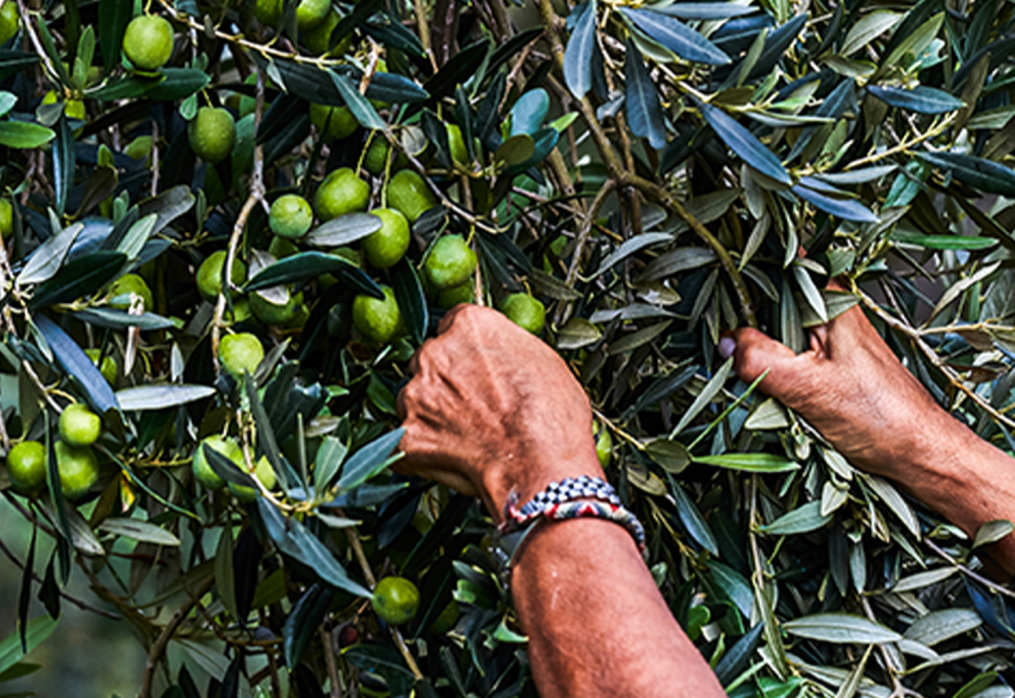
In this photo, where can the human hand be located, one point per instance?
(852, 389)
(492, 409)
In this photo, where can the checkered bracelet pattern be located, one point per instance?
(573, 498)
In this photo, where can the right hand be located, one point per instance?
(492, 409)
(852, 389)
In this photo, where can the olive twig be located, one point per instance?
(368, 574)
(916, 337)
(256, 195)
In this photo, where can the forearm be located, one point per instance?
(966, 480)
(597, 624)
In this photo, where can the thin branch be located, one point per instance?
(993, 586)
(903, 146)
(586, 229)
(77, 602)
(162, 641)
(256, 196)
(368, 574)
(651, 190)
(916, 337)
(238, 40)
(330, 663)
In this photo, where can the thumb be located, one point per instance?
(755, 352)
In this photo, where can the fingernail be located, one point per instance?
(727, 345)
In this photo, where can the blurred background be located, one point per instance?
(88, 655)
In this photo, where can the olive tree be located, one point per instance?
(630, 180)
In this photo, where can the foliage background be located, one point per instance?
(651, 185)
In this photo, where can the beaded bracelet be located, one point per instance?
(573, 498)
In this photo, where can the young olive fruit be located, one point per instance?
(9, 21)
(26, 464)
(462, 293)
(203, 471)
(383, 248)
(318, 39)
(341, 192)
(148, 42)
(264, 473)
(334, 123)
(212, 134)
(78, 468)
(241, 352)
(108, 368)
(395, 600)
(450, 263)
(408, 193)
(379, 321)
(604, 444)
(6, 215)
(290, 216)
(525, 311)
(79, 426)
(209, 275)
(276, 315)
(126, 288)
(311, 13)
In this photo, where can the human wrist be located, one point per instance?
(525, 474)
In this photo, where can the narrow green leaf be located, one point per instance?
(114, 16)
(578, 55)
(846, 209)
(745, 144)
(803, 519)
(119, 319)
(676, 36)
(923, 579)
(529, 112)
(869, 27)
(992, 532)
(159, 397)
(369, 460)
(311, 265)
(935, 628)
(76, 363)
(631, 246)
(411, 301)
(840, 628)
(38, 630)
(692, 519)
(358, 104)
(267, 444)
(64, 162)
(293, 539)
(330, 455)
(890, 496)
(641, 99)
(750, 462)
(177, 84)
(921, 99)
(576, 333)
(707, 394)
(343, 230)
(140, 531)
(979, 173)
(80, 278)
(303, 620)
(704, 10)
(24, 135)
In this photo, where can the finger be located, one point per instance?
(449, 317)
(755, 352)
(400, 402)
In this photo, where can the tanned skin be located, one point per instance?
(492, 410)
